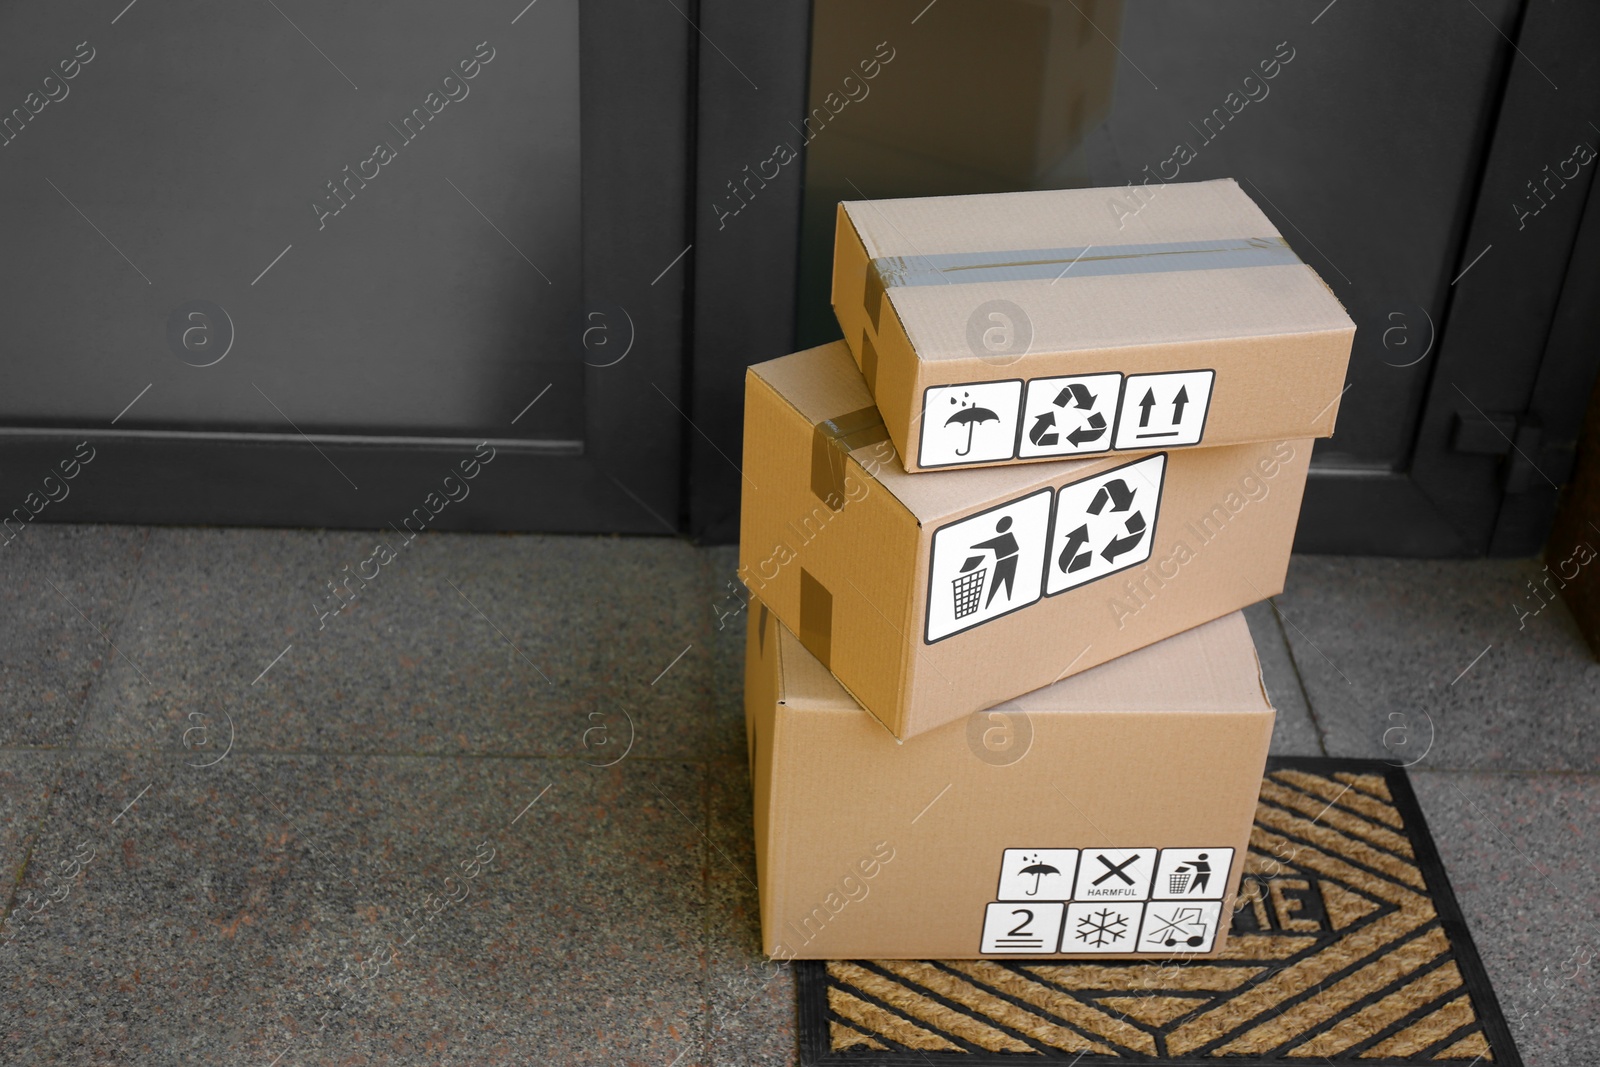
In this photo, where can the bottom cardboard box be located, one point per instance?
(1105, 816)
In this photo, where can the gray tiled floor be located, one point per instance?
(238, 829)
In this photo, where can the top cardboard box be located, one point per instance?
(1019, 327)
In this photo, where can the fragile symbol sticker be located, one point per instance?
(1159, 410)
(1037, 873)
(971, 423)
(1115, 874)
(1069, 416)
(1105, 523)
(1192, 873)
(1024, 928)
(1109, 927)
(987, 565)
(1178, 927)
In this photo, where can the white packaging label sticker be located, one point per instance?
(1023, 928)
(1180, 926)
(1115, 874)
(987, 565)
(1160, 410)
(1105, 524)
(1037, 873)
(971, 423)
(1107, 900)
(1112, 926)
(1069, 416)
(1192, 874)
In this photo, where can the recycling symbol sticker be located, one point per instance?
(1071, 416)
(1104, 524)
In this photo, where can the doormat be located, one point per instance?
(1347, 946)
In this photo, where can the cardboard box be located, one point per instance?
(1108, 811)
(1021, 327)
(1004, 88)
(932, 596)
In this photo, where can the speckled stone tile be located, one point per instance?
(503, 644)
(62, 589)
(363, 909)
(1435, 661)
(25, 781)
(750, 997)
(1523, 855)
(1294, 733)
(727, 601)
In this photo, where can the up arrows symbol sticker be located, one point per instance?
(1145, 405)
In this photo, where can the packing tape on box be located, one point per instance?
(832, 441)
(816, 618)
(1038, 264)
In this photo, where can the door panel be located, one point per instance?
(203, 140)
(1524, 241)
(290, 263)
(1387, 142)
(1338, 162)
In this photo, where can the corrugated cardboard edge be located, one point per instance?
(869, 342)
(884, 350)
(903, 679)
(771, 703)
(849, 282)
(762, 704)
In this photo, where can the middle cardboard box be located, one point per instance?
(931, 596)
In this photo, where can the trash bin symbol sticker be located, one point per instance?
(987, 565)
(968, 587)
(1192, 873)
(1192, 876)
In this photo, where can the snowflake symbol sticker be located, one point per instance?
(1102, 927)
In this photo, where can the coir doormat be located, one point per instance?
(1347, 946)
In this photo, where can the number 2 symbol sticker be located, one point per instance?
(1011, 928)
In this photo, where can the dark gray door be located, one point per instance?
(1432, 161)
(284, 262)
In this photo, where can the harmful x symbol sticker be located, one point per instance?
(1118, 869)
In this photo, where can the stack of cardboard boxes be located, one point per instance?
(1134, 382)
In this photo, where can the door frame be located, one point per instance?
(1520, 337)
(747, 264)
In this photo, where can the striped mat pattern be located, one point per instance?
(1347, 946)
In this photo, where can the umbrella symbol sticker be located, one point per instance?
(1038, 870)
(969, 415)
